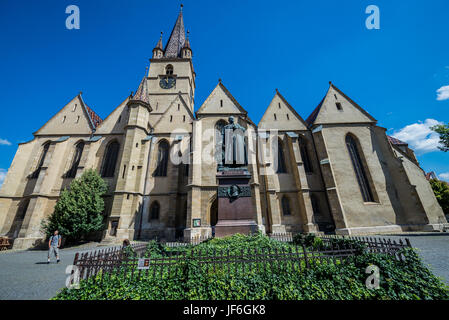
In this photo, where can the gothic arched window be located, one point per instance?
(285, 206)
(110, 159)
(219, 141)
(281, 168)
(305, 155)
(315, 204)
(154, 211)
(169, 70)
(76, 160)
(356, 159)
(36, 172)
(162, 159)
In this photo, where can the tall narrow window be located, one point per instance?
(305, 155)
(219, 141)
(285, 206)
(162, 159)
(339, 107)
(281, 158)
(275, 118)
(315, 204)
(36, 172)
(76, 160)
(110, 159)
(359, 169)
(154, 211)
(169, 70)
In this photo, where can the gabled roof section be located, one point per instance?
(347, 111)
(396, 142)
(115, 121)
(74, 118)
(176, 122)
(142, 92)
(286, 116)
(177, 39)
(213, 105)
(94, 118)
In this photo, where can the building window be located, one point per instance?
(288, 118)
(76, 160)
(286, 206)
(169, 69)
(281, 158)
(36, 172)
(74, 108)
(110, 160)
(339, 107)
(154, 211)
(77, 119)
(221, 103)
(219, 141)
(23, 209)
(171, 118)
(275, 118)
(315, 204)
(305, 155)
(63, 119)
(162, 159)
(279, 104)
(359, 170)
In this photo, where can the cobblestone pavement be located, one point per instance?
(434, 251)
(25, 275)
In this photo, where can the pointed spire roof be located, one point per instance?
(187, 42)
(142, 92)
(159, 43)
(177, 39)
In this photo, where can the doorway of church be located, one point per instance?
(213, 215)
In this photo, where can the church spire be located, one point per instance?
(142, 92)
(177, 39)
(158, 52)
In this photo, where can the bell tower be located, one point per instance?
(171, 70)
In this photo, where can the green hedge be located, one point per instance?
(408, 279)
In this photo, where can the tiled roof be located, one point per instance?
(142, 92)
(397, 141)
(177, 39)
(95, 118)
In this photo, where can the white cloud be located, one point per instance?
(4, 142)
(444, 176)
(443, 93)
(2, 175)
(419, 136)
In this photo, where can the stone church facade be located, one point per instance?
(337, 171)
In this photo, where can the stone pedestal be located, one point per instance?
(235, 208)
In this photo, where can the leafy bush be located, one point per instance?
(79, 210)
(408, 279)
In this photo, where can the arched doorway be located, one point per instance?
(213, 214)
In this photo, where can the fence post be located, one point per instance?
(305, 255)
(408, 242)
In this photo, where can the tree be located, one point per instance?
(79, 210)
(443, 131)
(441, 190)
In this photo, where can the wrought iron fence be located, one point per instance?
(296, 257)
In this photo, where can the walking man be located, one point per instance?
(53, 246)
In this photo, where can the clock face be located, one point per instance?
(167, 82)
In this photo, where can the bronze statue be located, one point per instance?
(234, 152)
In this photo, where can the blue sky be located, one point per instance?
(254, 46)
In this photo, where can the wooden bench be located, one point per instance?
(4, 243)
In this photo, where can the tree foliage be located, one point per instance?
(441, 190)
(79, 210)
(443, 131)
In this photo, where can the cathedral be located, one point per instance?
(334, 172)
